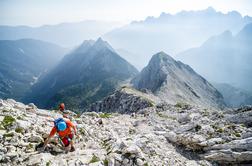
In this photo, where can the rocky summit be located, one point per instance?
(154, 134)
(173, 81)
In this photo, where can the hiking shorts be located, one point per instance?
(66, 140)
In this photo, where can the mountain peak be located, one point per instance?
(161, 57)
(102, 44)
(246, 30)
(174, 81)
(86, 44)
(210, 9)
(222, 38)
(235, 14)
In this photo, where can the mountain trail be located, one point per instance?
(162, 135)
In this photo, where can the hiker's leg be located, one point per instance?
(70, 136)
(72, 146)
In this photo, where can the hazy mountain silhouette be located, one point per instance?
(87, 74)
(173, 33)
(22, 62)
(234, 97)
(65, 34)
(225, 58)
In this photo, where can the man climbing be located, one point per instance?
(65, 130)
(67, 114)
(64, 112)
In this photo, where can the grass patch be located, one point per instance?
(220, 130)
(82, 131)
(48, 163)
(1, 127)
(145, 164)
(165, 116)
(30, 146)
(8, 121)
(8, 135)
(94, 159)
(105, 115)
(105, 162)
(19, 130)
(127, 155)
(5, 111)
(237, 134)
(217, 128)
(183, 106)
(20, 118)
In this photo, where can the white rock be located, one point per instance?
(133, 150)
(243, 144)
(212, 142)
(171, 136)
(35, 138)
(125, 161)
(139, 162)
(207, 129)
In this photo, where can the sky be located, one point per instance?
(41, 12)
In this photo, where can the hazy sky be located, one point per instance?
(39, 12)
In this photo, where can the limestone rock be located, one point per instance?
(35, 138)
(153, 136)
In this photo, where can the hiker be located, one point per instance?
(64, 128)
(64, 112)
(67, 114)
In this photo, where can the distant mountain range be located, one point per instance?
(22, 62)
(173, 33)
(64, 34)
(234, 97)
(224, 58)
(37, 71)
(85, 75)
(175, 82)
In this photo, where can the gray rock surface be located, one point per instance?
(242, 115)
(125, 100)
(159, 137)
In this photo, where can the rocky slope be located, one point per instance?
(159, 134)
(85, 75)
(125, 100)
(174, 82)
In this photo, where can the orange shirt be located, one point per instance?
(65, 132)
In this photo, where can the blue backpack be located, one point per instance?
(57, 121)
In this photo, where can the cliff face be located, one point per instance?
(126, 100)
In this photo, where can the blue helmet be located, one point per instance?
(61, 126)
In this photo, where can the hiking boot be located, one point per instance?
(72, 149)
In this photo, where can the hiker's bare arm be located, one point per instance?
(52, 133)
(75, 130)
(46, 141)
